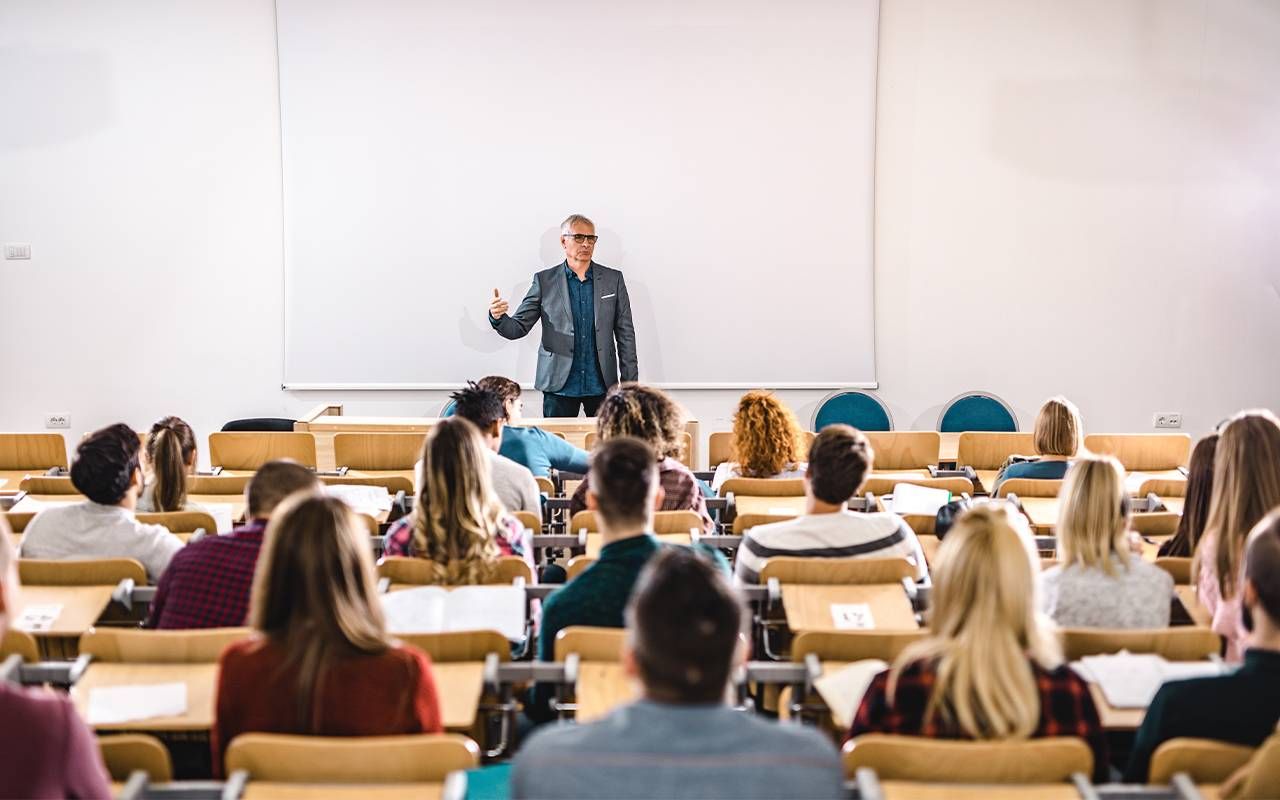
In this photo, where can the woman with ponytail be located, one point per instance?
(171, 457)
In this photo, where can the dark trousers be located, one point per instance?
(557, 405)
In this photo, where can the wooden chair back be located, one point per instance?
(1174, 644)
(1156, 523)
(745, 522)
(418, 571)
(984, 450)
(1262, 773)
(720, 447)
(836, 571)
(420, 758)
(528, 520)
(577, 565)
(904, 449)
(377, 450)
(1206, 761)
(133, 646)
(1179, 568)
(853, 645)
(545, 485)
(1141, 452)
(915, 758)
(181, 521)
(229, 485)
(1030, 487)
(18, 520)
(125, 753)
(20, 643)
(455, 646)
(48, 484)
(87, 572)
(883, 486)
(1163, 487)
(33, 451)
(392, 483)
(763, 487)
(250, 450)
(590, 643)
(686, 446)
(664, 522)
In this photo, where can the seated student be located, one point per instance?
(767, 441)
(1243, 706)
(207, 583)
(513, 483)
(684, 625)
(648, 414)
(45, 748)
(1246, 485)
(1195, 507)
(457, 522)
(1058, 434)
(171, 457)
(987, 670)
(1100, 583)
(538, 451)
(839, 460)
(106, 471)
(321, 663)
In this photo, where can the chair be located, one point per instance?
(545, 485)
(259, 424)
(986, 450)
(48, 484)
(126, 753)
(455, 646)
(1179, 568)
(849, 646)
(745, 522)
(247, 451)
(422, 758)
(720, 447)
(1030, 487)
(1142, 452)
(686, 446)
(914, 758)
(902, 450)
(528, 520)
(228, 485)
(664, 522)
(89, 572)
(392, 483)
(18, 521)
(378, 451)
(32, 451)
(448, 408)
(1204, 760)
(181, 521)
(836, 571)
(577, 565)
(16, 642)
(1174, 644)
(862, 410)
(590, 643)
(763, 487)
(884, 485)
(977, 411)
(1262, 773)
(125, 645)
(417, 571)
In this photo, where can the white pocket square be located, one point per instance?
(607, 296)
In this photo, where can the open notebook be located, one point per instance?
(1131, 680)
(842, 689)
(434, 609)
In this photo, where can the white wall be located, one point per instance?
(1075, 197)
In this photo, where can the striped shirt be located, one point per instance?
(844, 534)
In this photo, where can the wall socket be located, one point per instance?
(17, 251)
(57, 420)
(1168, 419)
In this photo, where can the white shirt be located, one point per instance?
(514, 484)
(91, 530)
(844, 534)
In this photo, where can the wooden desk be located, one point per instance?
(881, 482)
(267, 790)
(81, 608)
(35, 503)
(907, 790)
(1198, 613)
(458, 685)
(808, 607)
(920, 524)
(595, 541)
(1042, 512)
(201, 680)
(986, 480)
(793, 506)
(929, 546)
(1115, 719)
(948, 447)
(602, 686)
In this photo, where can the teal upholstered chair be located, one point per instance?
(449, 407)
(862, 410)
(976, 411)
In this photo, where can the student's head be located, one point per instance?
(1260, 595)
(766, 437)
(455, 519)
(171, 452)
(1058, 429)
(648, 414)
(983, 627)
(106, 468)
(1195, 508)
(314, 591)
(482, 408)
(273, 482)
(623, 488)
(1246, 485)
(839, 459)
(1093, 514)
(8, 576)
(508, 391)
(683, 626)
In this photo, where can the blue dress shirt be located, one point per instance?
(585, 379)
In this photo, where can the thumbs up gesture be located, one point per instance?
(497, 306)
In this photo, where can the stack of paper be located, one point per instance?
(112, 705)
(433, 609)
(843, 689)
(371, 500)
(911, 499)
(222, 514)
(1131, 680)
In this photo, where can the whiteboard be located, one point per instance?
(724, 149)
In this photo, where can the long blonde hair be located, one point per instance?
(1093, 514)
(983, 628)
(457, 515)
(314, 593)
(1246, 485)
(766, 435)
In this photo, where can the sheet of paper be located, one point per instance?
(842, 690)
(852, 616)
(222, 514)
(110, 705)
(417, 610)
(1133, 482)
(371, 500)
(477, 608)
(35, 618)
(911, 499)
(1131, 680)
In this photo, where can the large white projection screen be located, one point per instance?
(725, 149)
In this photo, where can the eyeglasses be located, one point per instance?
(590, 238)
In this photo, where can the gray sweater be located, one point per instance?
(1086, 597)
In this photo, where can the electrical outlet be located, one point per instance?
(57, 420)
(15, 251)
(1168, 419)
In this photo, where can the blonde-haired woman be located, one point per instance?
(767, 441)
(458, 524)
(1246, 485)
(1057, 438)
(987, 670)
(1100, 583)
(321, 662)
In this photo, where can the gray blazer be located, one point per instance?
(548, 300)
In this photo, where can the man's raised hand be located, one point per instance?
(497, 306)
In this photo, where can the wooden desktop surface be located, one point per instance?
(201, 680)
(808, 607)
(458, 685)
(269, 790)
(602, 686)
(789, 506)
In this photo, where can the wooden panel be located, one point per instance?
(984, 450)
(904, 449)
(45, 484)
(808, 608)
(601, 688)
(720, 447)
(836, 571)
(1142, 451)
(763, 487)
(199, 678)
(380, 451)
(123, 645)
(32, 451)
(248, 451)
(882, 483)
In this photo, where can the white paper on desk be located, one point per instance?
(911, 499)
(432, 609)
(852, 616)
(223, 514)
(1131, 680)
(110, 705)
(371, 500)
(1133, 482)
(843, 689)
(35, 618)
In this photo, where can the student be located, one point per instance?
(457, 523)
(1243, 706)
(1195, 508)
(106, 471)
(207, 583)
(47, 751)
(767, 441)
(1100, 582)
(682, 740)
(625, 489)
(538, 451)
(513, 483)
(321, 663)
(1058, 434)
(839, 460)
(648, 414)
(171, 456)
(987, 670)
(1246, 485)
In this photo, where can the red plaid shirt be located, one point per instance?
(680, 492)
(1066, 709)
(207, 583)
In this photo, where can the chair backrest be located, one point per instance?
(686, 445)
(377, 450)
(449, 407)
(1206, 761)
(590, 643)
(33, 451)
(87, 572)
(20, 643)
(1262, 773)
(862, 410)
(1185, 643)
(418, 571)
(977, 411)
(392, 483)
(422, 758)
(247, 450)
(126, 753)
(883, 486)
(528, 520)
(989, 450)
(48, 484)
(663, 522)
(545, 485)
(1142, 451)
(720, 447)
(1159, 523)
(1030, 487)
(577, 565)
(181, 521)
(133, 646)
(454, 646)
(229, 485)
(18, 520)
(260, 424)
(853, 645)
(904, 449)
(745, 522)
(1178, 567)
(916, 758)
(836, 571)
(763, 487)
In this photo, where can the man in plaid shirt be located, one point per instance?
(207, 583)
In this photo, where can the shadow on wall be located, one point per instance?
(54, 96)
